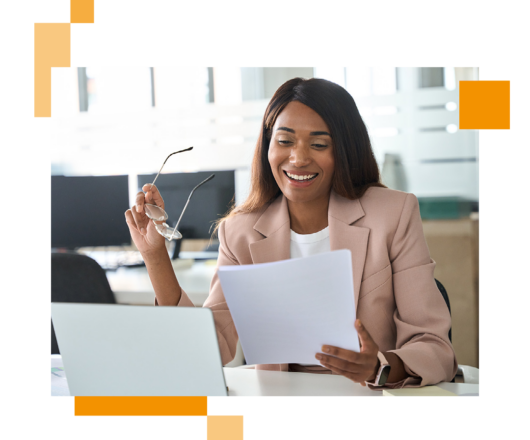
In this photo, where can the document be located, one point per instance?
(286, 310)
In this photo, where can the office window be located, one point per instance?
(227, 85)
(366, 81)
(361, 81)
(177, 87)
(383, 80)
(333, 74)
(116, 89)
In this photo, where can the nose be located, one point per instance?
(300, 156)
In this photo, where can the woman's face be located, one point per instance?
(301, 154)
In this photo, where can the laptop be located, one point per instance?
(121, 350)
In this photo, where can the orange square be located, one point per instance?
(484, 105)
(83, 11)
(141, 406)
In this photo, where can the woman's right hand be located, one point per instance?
(143, 231)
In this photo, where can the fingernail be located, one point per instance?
(326, 349)
(319, 356)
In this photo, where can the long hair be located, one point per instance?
(355, 166)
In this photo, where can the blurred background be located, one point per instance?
(114, 126)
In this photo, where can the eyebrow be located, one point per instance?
(313, 133)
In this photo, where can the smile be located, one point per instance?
(301, 177)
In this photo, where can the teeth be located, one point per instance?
(297, 177)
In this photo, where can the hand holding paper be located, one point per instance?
(284, 312)
(359, 367)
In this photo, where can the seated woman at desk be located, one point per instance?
(315, 187)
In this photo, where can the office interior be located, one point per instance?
(112, 128)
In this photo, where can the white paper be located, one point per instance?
(285, 311)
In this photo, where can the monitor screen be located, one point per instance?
(209, 202)
(89, 211)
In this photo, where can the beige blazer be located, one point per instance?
(396, 296)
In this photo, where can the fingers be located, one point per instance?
(140, 220)
(367, 343)
(356, 377)
(348, 355)
(140, 201)
(357, 372)
(131, 224)
(339, 363)
(356, 366)
(152, 195)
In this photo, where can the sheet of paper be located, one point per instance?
(285, 311)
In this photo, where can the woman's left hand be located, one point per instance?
(359, 367)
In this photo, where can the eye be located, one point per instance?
(319, 145)
(283, 142)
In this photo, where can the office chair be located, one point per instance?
(442, 290)
(465, 373)
(78, 278)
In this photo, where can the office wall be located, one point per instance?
(417, 124)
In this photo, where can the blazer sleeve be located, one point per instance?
(421, 317)
(224, 325)
(226, 330)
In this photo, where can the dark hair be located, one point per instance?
(355, 166)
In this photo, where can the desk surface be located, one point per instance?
(249, 382)
(133, 286)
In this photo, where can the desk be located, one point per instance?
(133, 286)
(249, 382)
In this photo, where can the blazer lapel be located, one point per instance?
(274, 224)
(342, 213)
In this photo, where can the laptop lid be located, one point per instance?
(120, 350)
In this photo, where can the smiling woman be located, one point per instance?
(315, 187)
(302, 163)
(301, 117)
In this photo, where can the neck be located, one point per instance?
(308, 217)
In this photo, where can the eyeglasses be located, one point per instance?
(157, 214)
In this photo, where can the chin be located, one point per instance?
(299, 197)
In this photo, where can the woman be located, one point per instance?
(316, 187)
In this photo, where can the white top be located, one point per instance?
(304, 245)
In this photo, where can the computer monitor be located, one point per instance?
(89, 211)
(210, 202)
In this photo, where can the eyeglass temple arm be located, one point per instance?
(176, 152)
(189, 198)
